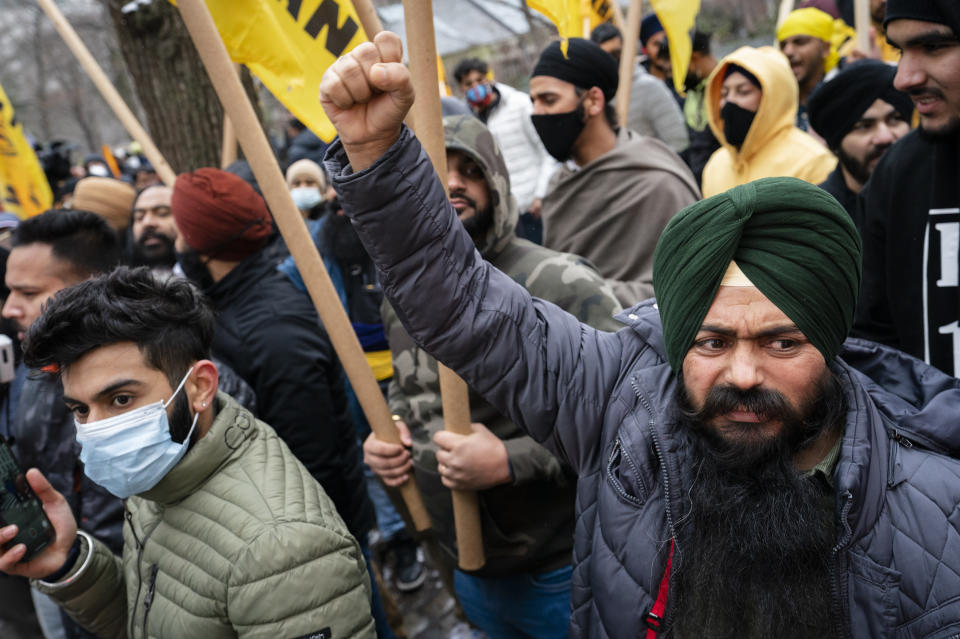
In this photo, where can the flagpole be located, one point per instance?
(618, 20)
(422, 53)
(628, 57)
(861, 19)
(228, 147)
(107, 90)
(369, 19)
(257, 150)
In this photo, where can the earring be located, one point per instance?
(203, 404)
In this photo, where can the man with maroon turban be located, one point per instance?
(268, 332)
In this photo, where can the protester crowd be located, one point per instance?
(712, 355)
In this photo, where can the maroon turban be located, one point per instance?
(219, 214)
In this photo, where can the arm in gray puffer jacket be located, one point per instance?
(555, 383)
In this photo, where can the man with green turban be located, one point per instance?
(743, 470)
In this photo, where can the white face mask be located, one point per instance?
(306, 197)
(130, 453)
(99, 170)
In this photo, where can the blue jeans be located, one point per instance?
(522, 606)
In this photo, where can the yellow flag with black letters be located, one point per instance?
(24, 186)
(288, 44)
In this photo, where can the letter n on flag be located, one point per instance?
(24, 190)
(288, 44)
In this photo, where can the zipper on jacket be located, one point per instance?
(838, 586)
(666, 486)
(140, 546)
(148, 598)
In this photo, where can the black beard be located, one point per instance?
(162, 255)
(479, 223)
(756, 542)
(340, 239)
(860, 171)
(949, 131)
(181, 419)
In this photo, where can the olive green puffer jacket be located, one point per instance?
(238, 540)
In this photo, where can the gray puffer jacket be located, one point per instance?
(602, 401)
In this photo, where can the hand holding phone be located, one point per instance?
(52, 557)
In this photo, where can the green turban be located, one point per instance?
(794, 242)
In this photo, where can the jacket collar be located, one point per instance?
(228, 435)
(244, 275)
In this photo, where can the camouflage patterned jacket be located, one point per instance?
(528, 524)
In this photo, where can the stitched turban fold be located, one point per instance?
(794, 242)
(586, 65)
(219, 214)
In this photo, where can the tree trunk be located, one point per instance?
(182, 111)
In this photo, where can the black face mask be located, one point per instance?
(736, 123)
(559, 131)
(195, 268)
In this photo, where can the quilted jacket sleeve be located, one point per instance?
(94, 593)
(534, 362)
(299, 579)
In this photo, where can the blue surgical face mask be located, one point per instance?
(129, 454)
(306, 197)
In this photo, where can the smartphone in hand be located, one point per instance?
(19, 505)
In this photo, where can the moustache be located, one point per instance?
(150, 234)
(466, 198)
(766, 404)
(925, 92)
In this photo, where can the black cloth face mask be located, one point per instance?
(559, 131)
(195, 269)
(736, 123)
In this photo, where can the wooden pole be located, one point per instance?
(422, 53)
(257, 149)
(369, 19)
(628, 60)
(786, 8)
(861, 18)
(618, 20)
(228, 147)
(107, 90)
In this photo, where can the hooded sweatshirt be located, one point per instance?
(774, 146)
(612, 210)
(528, 523)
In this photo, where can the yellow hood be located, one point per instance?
(778, 106)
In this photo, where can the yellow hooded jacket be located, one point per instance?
(774, 146)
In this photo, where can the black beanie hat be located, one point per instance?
(585, 65)
(835, 106)
(736, 68)
(940, 11)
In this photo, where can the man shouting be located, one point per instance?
(736, 477)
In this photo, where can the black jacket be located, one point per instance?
(268, 332)
(836, 186)
(910, 224)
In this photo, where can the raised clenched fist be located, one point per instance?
(366, 94)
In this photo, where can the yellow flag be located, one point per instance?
(288, 44)
(564, 14)
(24, 186)
(678, 18)
(573, 17)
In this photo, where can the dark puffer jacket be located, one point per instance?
(269, 333)
(602, 402)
